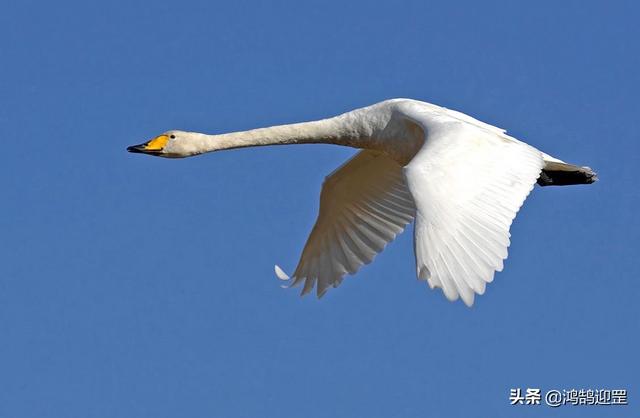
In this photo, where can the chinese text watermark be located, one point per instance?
(555, 398)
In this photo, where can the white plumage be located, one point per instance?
(363, 206)
(462, 180)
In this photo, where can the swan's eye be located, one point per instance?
(172, 137)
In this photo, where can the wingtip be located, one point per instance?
(321, 292)
(280, 273)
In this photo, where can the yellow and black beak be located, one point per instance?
(152, 147)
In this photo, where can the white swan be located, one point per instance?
(462, 181)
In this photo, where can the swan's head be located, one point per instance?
(171, 144)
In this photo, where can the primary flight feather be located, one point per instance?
(461, 180)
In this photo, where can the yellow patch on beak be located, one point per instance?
(157, 144)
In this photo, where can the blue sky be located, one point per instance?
(133, 286)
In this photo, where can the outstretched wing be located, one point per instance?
(468, 183)
(364, 204)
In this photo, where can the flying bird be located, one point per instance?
(461, 180)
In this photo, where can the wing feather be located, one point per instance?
(364, 205)
(468, 183)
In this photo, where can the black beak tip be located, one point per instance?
(135, 149)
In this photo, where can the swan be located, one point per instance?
(460, 180)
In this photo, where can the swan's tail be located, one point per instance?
(559, 173)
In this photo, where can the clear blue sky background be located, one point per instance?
(136, 287)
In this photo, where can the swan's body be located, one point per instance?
(462, 180)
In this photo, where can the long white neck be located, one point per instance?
(350, 129)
